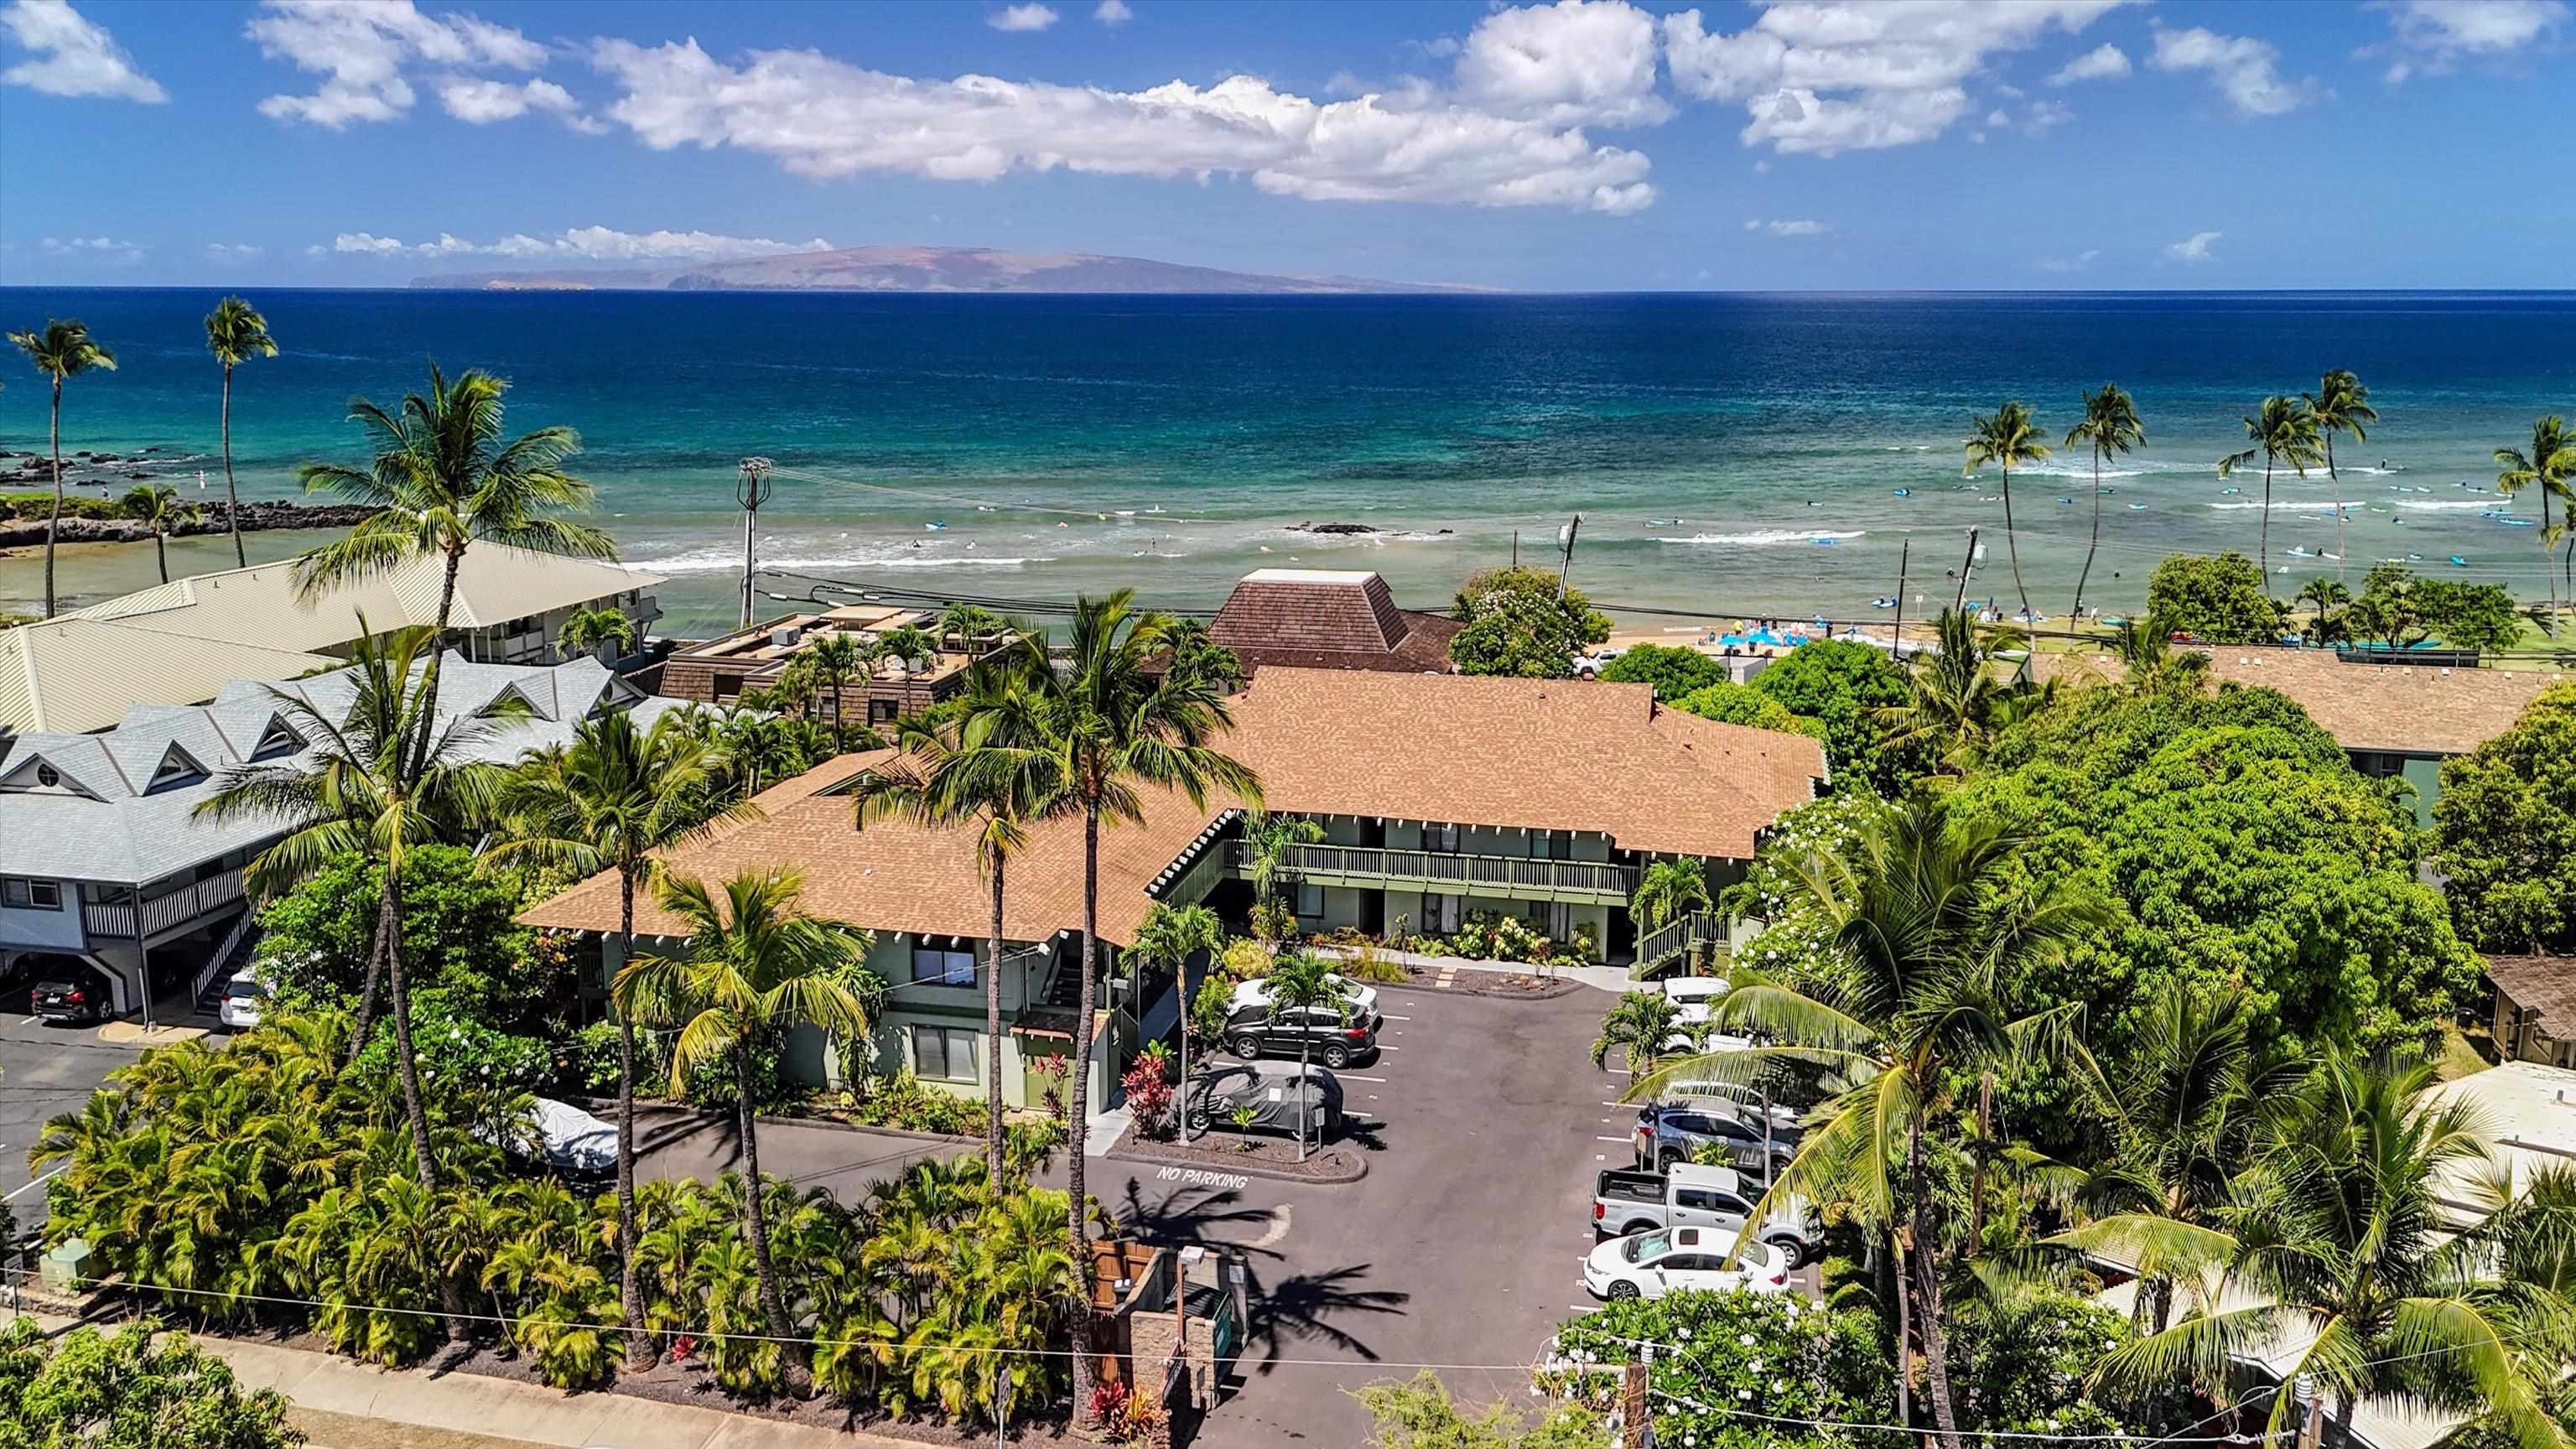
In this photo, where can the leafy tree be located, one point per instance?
(1931, 934)
(140, 1388)
(589, 629)
(2110, 427)
(2022, 1359)
(1742, 704)
(2329, 599)
(837, 660)
(1775, 1353)
(1844, 684)
(612, 800)
(157, 507)
(235, 333)
(62, 350)
(2008, 436)
(1672, 670)
(2340, 1229)
(2283, 431)
(1956, 703)
(1421, 1414)
(2505, 832)
(2341, 404)
(1196, 655)
(2402, 610)
(975, 628)
(458, 932)
(753, 965)
(1523, 622)
(1667, 891)
(2215, 600)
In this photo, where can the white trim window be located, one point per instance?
(1440, 913)
(19, 893)
(944, 1053)
(945, 965)
(1310, 901)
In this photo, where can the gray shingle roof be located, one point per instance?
(104, 820)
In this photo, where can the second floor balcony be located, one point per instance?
(1453, 873)
(158, 915)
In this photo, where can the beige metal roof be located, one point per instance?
(179, 642)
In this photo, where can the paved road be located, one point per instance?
(43, 1070)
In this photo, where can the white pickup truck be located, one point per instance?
(1626, 1202)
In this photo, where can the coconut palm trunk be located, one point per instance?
(2334, 480)
(641, 1352)
(993, 1041)
(407, 1071)
(755, 1218)
(2092, 545)
(2263, 530)
(232, 495)
(1927, 1293)
(54, 520)
(2012, 545)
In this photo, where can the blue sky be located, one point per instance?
(1589, 144)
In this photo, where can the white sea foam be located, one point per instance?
(712, 560)
(1763, 538)
(2285, 505)
(2488, 504)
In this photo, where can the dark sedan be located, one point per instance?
(1273, 1096)
(62, 999)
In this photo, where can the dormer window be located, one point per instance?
(47, 775)
(277, 740)
(176, 768)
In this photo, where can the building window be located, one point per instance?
(47, 775)
(726, 687)
(943, 965)
(943, 1053)
(1310, 901)
(883, 711)
(1551, 845)
(1440, 914)
(20, 893)
(1442, 838)
(1554, 918)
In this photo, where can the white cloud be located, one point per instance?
(2193, 248)
(361, 47)
(1568, 64)
(1022, 17)
(1998, 117)
(481, 102)
(1788, 228)
(822, 117)
(2045, 116)
(95, 248)
(73, 56)
(2076, 263)
(1112, 12)
(581, 243)
(1836, 75)
(2436, 35)
(2103, 62)
(1761, 168)
(233, 251)
(2245, 70)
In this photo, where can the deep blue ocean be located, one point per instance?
(1730, 454)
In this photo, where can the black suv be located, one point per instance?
(63, 999)
(1254, 1029)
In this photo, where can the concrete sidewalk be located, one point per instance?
(1613, 979)
(344, 1404)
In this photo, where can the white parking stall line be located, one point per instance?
(1391, 1016)
(1600, 1157)
(1382, 1046)
(13, 1193)
(1356, 1077)
(1609, 1139)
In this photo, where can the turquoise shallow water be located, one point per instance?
(1731, 454)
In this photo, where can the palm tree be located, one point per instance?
(1956, 701)
(1639, 1025)
(2340, 1229)
(1929, 918)
(235, 333)
(2182, 1117)
(907, 646)
(1167, 938)
(1269, 842)
(2008, 436)
(1668, 891)
(1300, 982)
(970, 625)
(157, 507)
(2341, 404)
(376, 782)
(442, 481)
(2285, 431)
(755, 965)
(610, 801)
(838, 658)
(947, 783)
(2110, 426)
(63, 349)
(589, 629)
(2326, 594)
(1094, 734)
(2549, 466)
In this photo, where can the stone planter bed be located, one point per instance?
(1492, 983)
(1220, 1153)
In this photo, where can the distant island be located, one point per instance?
(924, 269)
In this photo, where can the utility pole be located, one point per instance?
(1966, 566)
(1633, 1411)
(753, 491)
(1896, 643)
(1565, 540)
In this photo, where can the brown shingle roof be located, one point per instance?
(2544, 986)
(2403, 708)
(1328, 619)
(1553, 754)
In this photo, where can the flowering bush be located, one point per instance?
(1773, 1354)
(1149, 1092)
(2020, 1363)
(1791, 936)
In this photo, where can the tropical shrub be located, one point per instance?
(139, 1388)
(901, 1101)
(1522, 622)
(1208, 1009)
(1843, 685)
(1421, 1414)
(1742, 704)
(2506, 832)
(1244, 959)
(2215, 600)
(2020, 1361)
(1775, 1353)
(1149, 1094)
(1673, 671)
(458, 935)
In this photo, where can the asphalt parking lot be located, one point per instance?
(44, 1070)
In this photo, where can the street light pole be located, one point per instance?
(752, 490)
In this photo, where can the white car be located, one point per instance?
(1670, 1260)
(1362, 999)
(1589, 666)
(242, 997)
(1695, 996)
